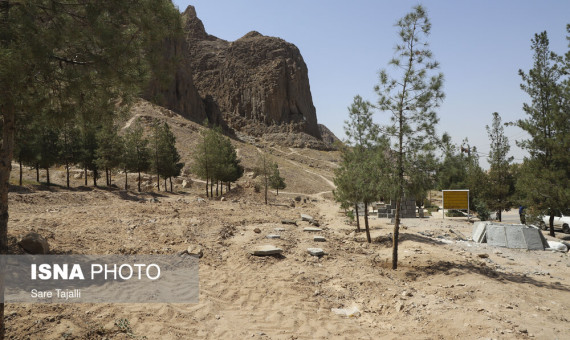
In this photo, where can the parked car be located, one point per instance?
(560, 222)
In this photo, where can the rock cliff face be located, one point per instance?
(256, 84)
(176, 91)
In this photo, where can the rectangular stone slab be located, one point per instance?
(319, 239)
(266, 250)
(311, 229)
(273, 236)
(479, 232)
(307, 218)
(496, 235)
(533, 238)
(315, 251)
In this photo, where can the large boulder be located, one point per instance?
(34, 243)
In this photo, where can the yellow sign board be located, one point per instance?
(456, 199)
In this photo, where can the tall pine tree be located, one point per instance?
(411, 97)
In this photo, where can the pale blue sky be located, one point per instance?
(480, 45)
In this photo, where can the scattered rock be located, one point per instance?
(273, 236)
(257, 230)
(315, 251)
(307, 218)
(279, 229)
(195, 250)
(319, 239)
(348, 312)
(186, 184)
(223, 199)
(312, 229)
(266, 250)
(483, 255)
(34, 243)
(286, 221)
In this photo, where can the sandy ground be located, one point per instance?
(445, 287)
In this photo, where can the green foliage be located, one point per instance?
(215, 158)
(275, 180)
(545, 175)
(166, 159)
(136, 156)
(109, 151)
(500, 180)
(411, 96)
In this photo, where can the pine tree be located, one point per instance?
(363, 150)
(500, 181)
(136, 157)
(275, 180)
(70, 146)
(263, 169)
(109, 150)
(411, 98)
(48, 149)
(545, 174)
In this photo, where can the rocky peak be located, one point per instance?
(257, 84)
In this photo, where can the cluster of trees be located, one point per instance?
(406, 158)
(397, 159)
(215, 161)
(74, 61)
(98, 148)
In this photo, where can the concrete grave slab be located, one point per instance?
(267, 250)
(274, 236)
(315, 251)
(319, 239)
(312, 229)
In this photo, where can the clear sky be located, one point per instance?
(480, 45)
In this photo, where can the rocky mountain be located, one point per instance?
(256, 86)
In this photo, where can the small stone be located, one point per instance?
(307, 218)
(266, 250)
(312, 229)
(34, 243)
(257, 230)
(315, 251)
(274, 236)
(319, 239)
(195, 250)
(279, 229)
(223, 199)
(483, 255)
(286, 221)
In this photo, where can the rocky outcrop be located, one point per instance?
(328, 137)
(173, 87)
(256, 84)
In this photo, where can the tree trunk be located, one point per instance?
(37, 172)
(157, 181)
(139, 181)
(47, 176)
(170, 178)
(85, 173)
(20, 173)
(165, 187)
(217, 184)
(126, 179)
(6, 154)
(95, 174)
(67, 173)
(396, 234)
(551, 224)
(107, 176)
(499, 215)
(266, 189)
(229, 187)
(366, 223)
(206, 186)
(212, 188)
(357, 219)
